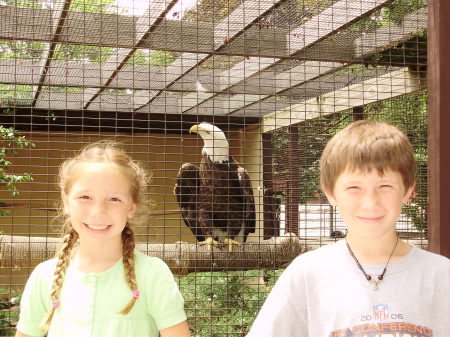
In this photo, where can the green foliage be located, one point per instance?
(11, 140)
(15, 94)
(86, 54)
(8, 318)
(221, 303)
(102, 6)
(392, 13)
(21, 49)
(152, 58)
(25, 3)
(211, 10)
(396, 10)
(33, 50)
(313, 136)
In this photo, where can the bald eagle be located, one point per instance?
(216, 198)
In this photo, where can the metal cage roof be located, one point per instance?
(250, 64)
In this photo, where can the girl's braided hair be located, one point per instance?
(99, 152)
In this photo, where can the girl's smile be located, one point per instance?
(99, 204)
(97, 228)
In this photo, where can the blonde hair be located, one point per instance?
(366, 145)
(99, 152)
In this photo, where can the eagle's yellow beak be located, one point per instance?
(194, 129)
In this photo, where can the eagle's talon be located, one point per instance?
(230, 243)
(209, 242)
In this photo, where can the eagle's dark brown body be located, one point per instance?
(216, 200)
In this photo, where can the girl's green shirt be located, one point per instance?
(90, 303)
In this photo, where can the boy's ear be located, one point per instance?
(330, 196)
(409, 191)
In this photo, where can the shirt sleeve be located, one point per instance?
(284, 313)
(34, 303)
(164, 300)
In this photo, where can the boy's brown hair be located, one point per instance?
(366, 145)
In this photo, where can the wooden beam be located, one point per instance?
(182, 258)
(118, 31)
(299, 39)
(387, 86)
(241, 19)
(58, 18)
(392, 34)
(223, 81)
(439, 120)
(66, 121)
(332, 19)
(299, 75)
(81, 28)
(241, 81)
(144, 26)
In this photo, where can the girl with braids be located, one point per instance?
(99, 285)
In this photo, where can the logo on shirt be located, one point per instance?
(380, 312)
(391, 329)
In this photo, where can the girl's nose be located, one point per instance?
(99, 207)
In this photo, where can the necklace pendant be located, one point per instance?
(375, 284)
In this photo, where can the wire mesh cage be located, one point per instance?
(278, 77)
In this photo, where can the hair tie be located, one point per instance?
(136, 294)
(55, 304)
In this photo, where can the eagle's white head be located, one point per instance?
(216, 145)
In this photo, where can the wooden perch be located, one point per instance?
(183, 258)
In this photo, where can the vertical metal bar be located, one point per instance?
(439, 119)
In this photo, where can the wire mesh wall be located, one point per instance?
(279, 77)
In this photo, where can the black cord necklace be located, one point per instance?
(368, 277)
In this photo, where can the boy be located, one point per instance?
(371, 283)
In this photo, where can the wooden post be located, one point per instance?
(293, 177)
(271, 223)
(439, 120)
(358, 113)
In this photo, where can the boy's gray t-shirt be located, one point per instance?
(324, 294)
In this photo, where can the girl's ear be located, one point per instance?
(65, 205)
(408, 193)
(330, 196)
(132, 211)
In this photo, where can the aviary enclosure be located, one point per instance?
(278, 77)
